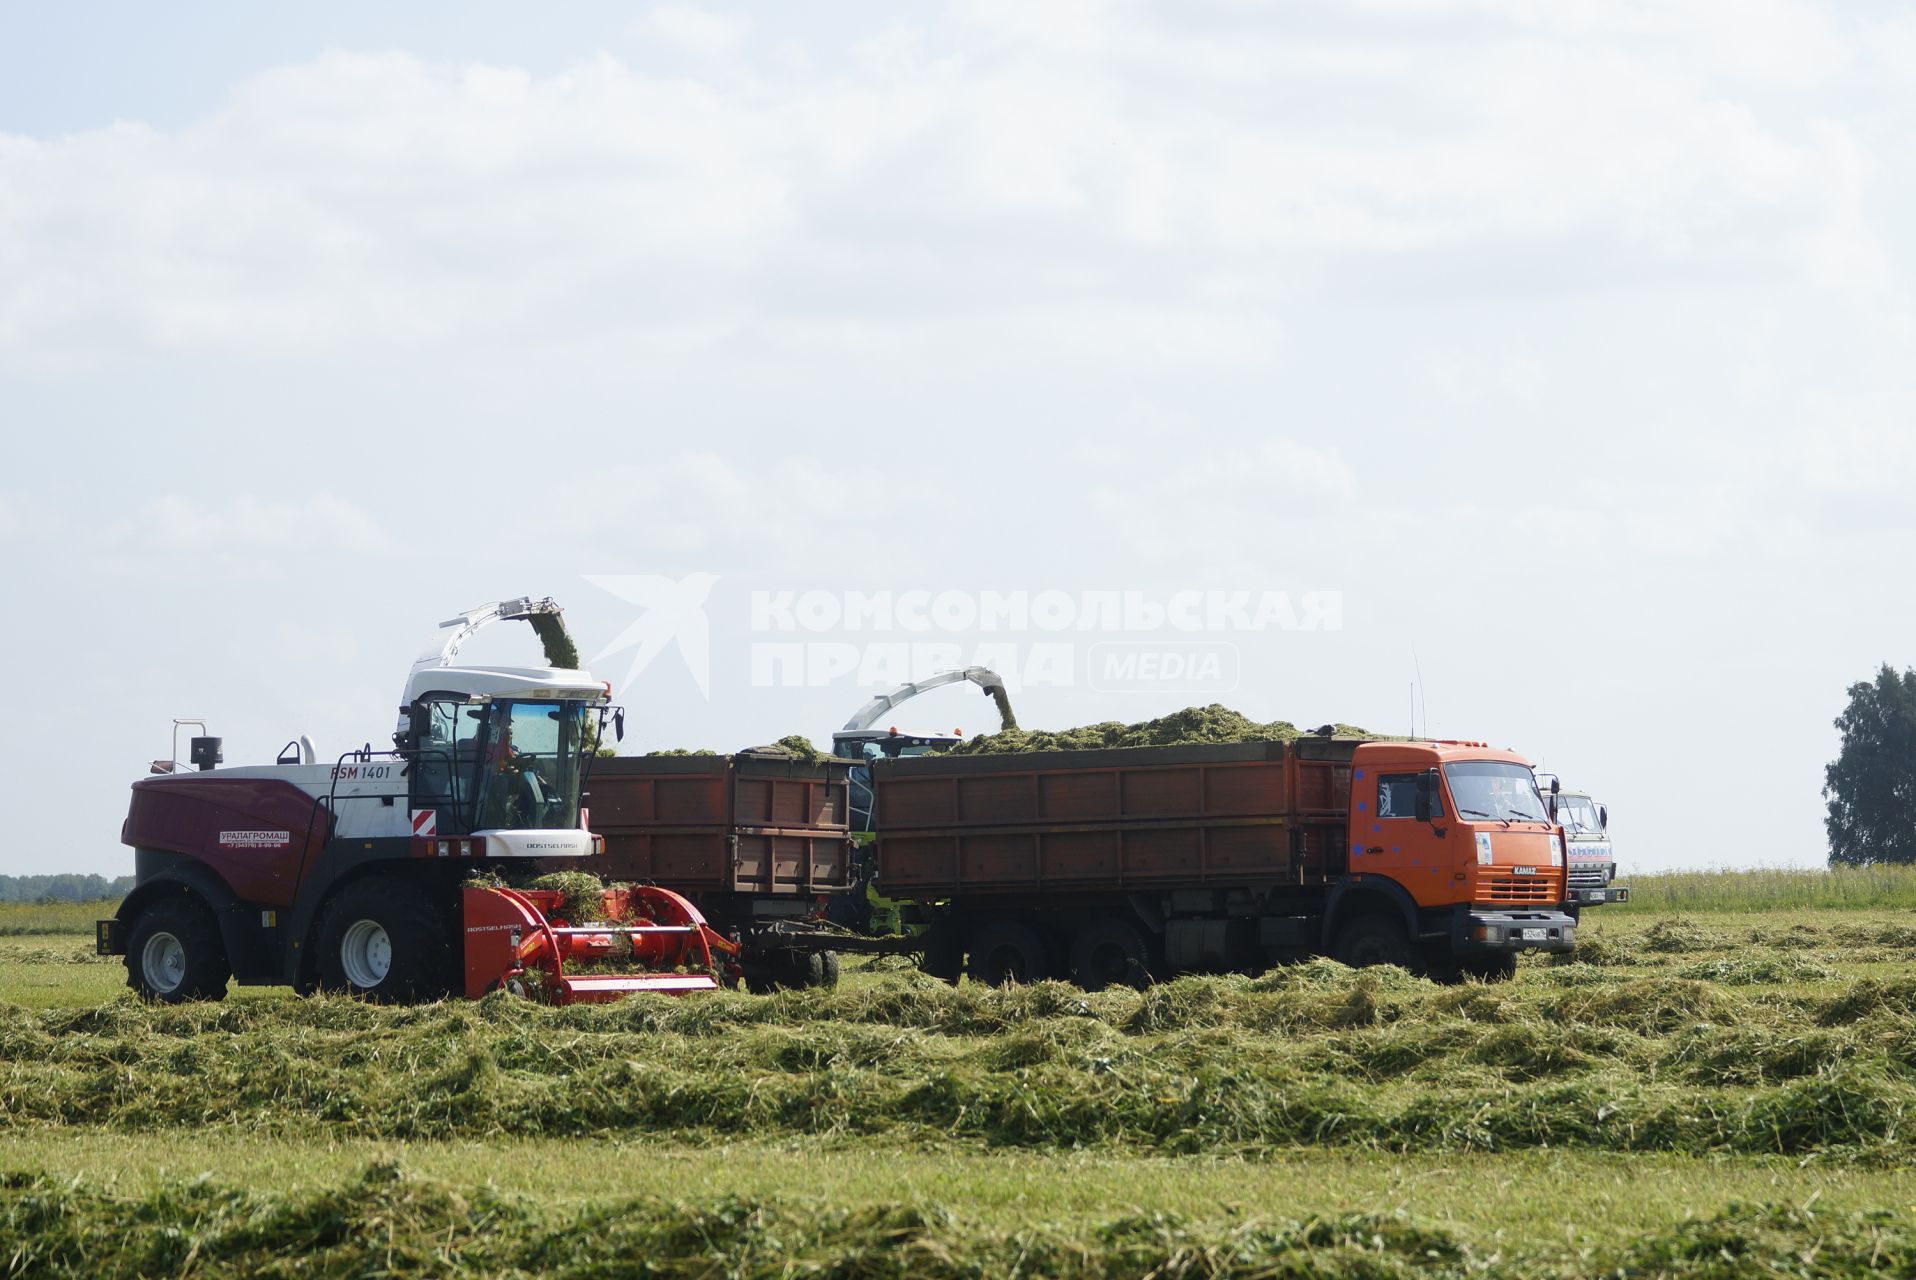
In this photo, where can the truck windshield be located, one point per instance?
(528, 764)
(1578, 815)
(1489, 789)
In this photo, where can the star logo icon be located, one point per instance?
(674, 617)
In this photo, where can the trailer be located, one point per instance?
(1123, 865)
(758, 841)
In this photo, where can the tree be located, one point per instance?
(1871, 785)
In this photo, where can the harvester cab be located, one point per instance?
(379, 873)
(862, 741)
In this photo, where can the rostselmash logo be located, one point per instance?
(674, 617)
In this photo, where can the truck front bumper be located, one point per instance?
(1476, 932)
(1597, 897)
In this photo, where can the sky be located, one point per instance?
(1535, 373)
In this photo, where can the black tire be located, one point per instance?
(828, 972)
(944, 956)
(1110, 952)
(1373, 939)
(174, 953)
(382, 939)
(1497, 967)
(1006, 951)
(796, 971)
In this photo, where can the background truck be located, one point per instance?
(1118, 865)
(358, 875)
(861, 740)
(757, 841)
(1592, 860)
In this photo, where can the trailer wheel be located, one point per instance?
(944, 955)
(1004, 952)
(1373, 939)
(792, 970)
(174, 953)
(1108, 953)
(381, 939)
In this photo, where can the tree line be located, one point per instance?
(63, 888)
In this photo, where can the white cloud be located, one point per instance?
(694, 30)
(172, 523)
(379, 206)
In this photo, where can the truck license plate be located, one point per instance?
(1535, 935)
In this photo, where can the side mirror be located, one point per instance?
(1603, 818)
(1556, 784)
(618, 724)
(1426, 793)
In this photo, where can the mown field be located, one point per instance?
(1723, 1082)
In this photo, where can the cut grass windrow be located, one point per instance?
(390, 1223)
(1316, 1055)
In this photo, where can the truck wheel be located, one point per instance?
(1109, 953)
(174, 953)
(828, 969)
(1490, 968)
(381, 939)
(1004, 952)
(944, 956)
(1372, 939)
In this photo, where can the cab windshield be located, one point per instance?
(507, 764)
(1578, 815)
(1489, 789)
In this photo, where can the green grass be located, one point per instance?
(1692, 1036)
(1769, 889)
(1725, 1089)
(32, 919)
(390, 1221)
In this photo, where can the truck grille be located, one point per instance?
(1518, 889)
(1590, 875)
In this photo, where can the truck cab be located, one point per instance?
(1592, 858)
(1462, 829)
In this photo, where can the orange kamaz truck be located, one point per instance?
(1124, 865)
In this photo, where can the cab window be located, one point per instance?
(1397, 796)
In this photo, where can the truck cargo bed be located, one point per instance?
(1200, 816)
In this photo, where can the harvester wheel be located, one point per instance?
(174, 953)
(1107, 953)
(1006, 951)
(381, 938)
(1373, 939)
(828, 973)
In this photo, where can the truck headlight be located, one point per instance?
(1488, 933)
